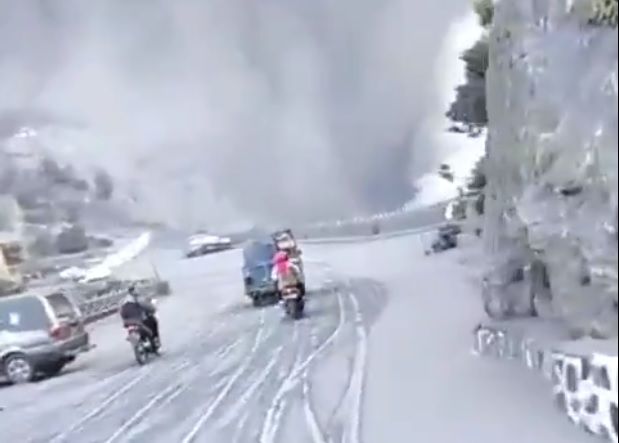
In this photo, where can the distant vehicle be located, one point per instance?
(257, 267)
(285, 241)
(39, 335)
(446, 238)
(201, 244)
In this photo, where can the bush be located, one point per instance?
(446, 172)
(604, 13)
(480, 204)
(478, 176)
(469, 107)
(485, 11)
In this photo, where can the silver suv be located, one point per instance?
(39, 335)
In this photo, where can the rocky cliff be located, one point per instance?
(551, 197)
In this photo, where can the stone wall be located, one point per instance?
(550, 225)
(584, 385)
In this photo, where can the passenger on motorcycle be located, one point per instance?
(285, 272)
(137, 311)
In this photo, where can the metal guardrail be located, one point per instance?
(365, 238)
(96, 303)
(374, 226)
(100, 307)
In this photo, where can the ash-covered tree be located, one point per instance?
(477, 181)
(469, 114)
(485, 11)
(476, 185)
(469, 106)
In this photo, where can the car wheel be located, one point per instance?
(256, 301)
(18, 369)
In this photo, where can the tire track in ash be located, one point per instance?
(242, 424)
(103, 415)
(212, 406)
(50, 407)
(81, 425)
(169, 394)
(235, 410)
(258, 387)
(272, 422)
(34, 406)
(315, 430)
(101, 407)
(258, 391)
(362, 296)
(117, 424)
(354, 396)
(311, 420)
(62, 401)
(118, 405)
(168, 420)
(366, 297)
(168, 415)
(290, 344)
(275, 413)
(275, 370)
(263, 422)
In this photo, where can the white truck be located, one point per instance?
(202, 244)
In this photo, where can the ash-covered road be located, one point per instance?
(383, 356)
(229, 372)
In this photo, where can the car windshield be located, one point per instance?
(22, 314)
(258, 253)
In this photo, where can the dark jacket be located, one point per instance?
(134, 308)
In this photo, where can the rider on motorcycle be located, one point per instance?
(285, 272)
(136, 310)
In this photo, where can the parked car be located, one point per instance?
(202, 244)
(39, 335)
(285, 241)
(446, 238)
(257, 267)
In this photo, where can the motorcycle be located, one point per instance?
(293, 302)
(295, 259)
(143, 347)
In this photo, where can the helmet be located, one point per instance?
(281, 257)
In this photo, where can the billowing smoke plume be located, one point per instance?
(224, 110)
